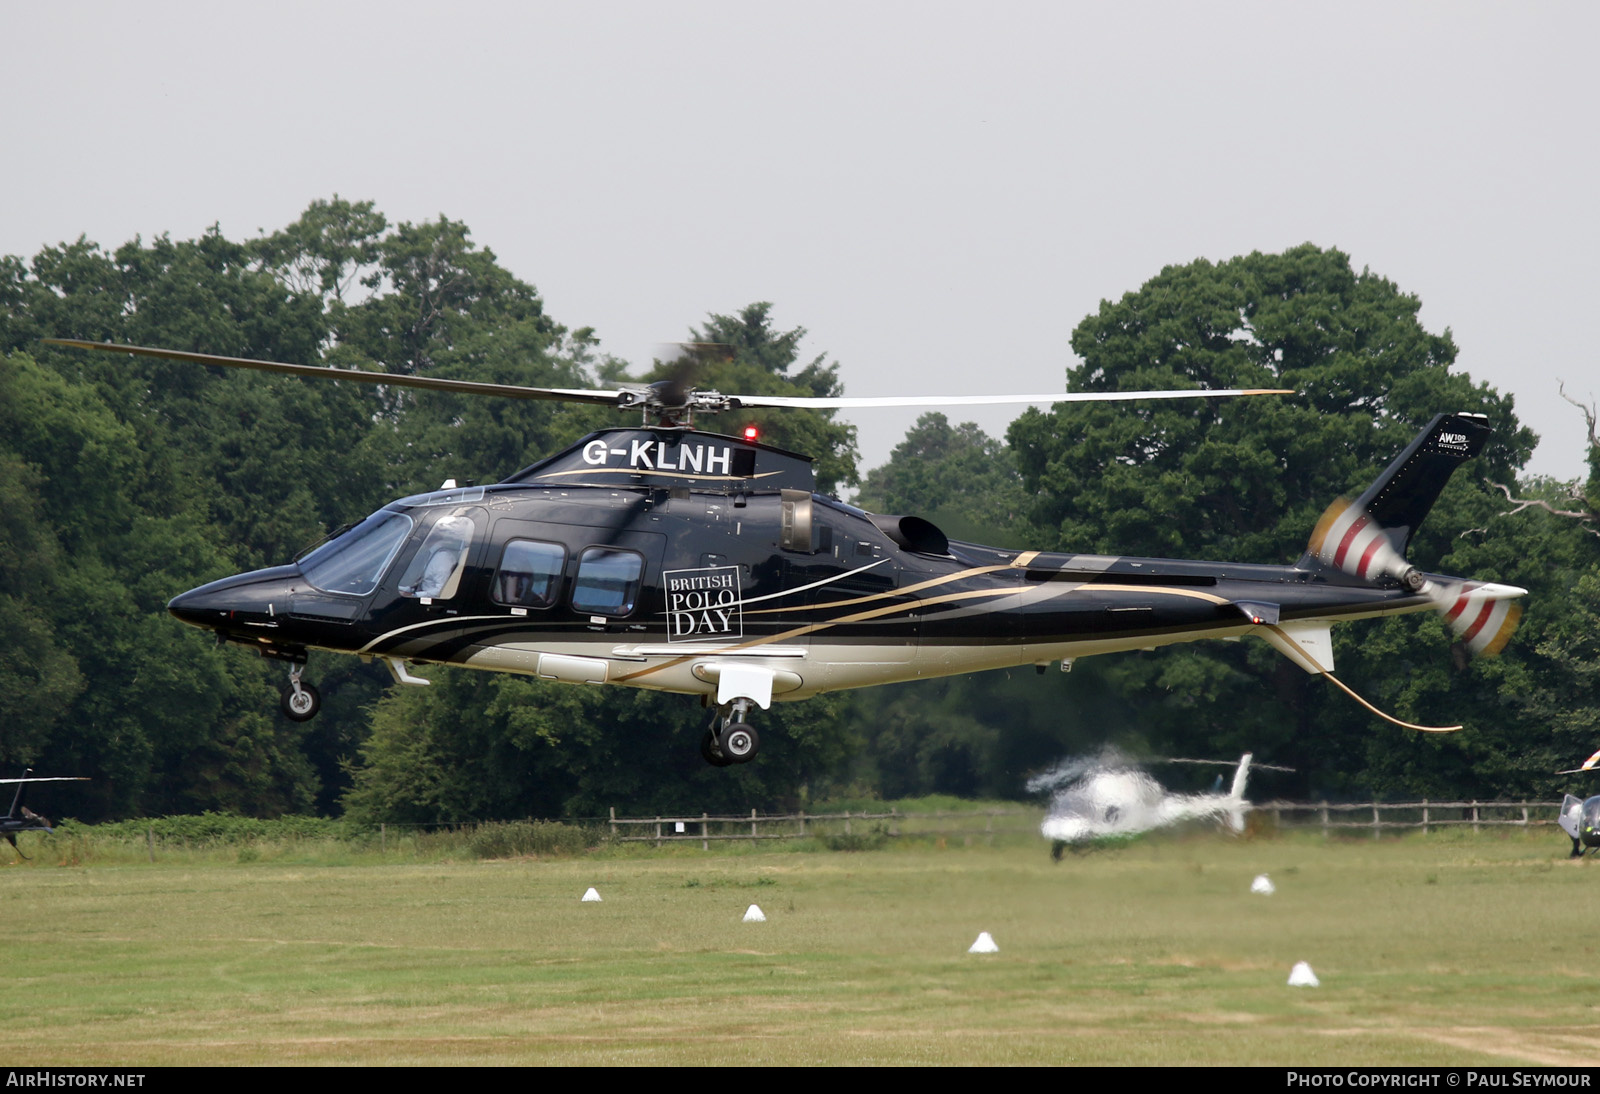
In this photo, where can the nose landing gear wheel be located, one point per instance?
(301, 702)
(740, 742)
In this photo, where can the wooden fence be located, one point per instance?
(846, 827)
(1380, 817)
(972, 825)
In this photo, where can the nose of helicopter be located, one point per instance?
(251, 597)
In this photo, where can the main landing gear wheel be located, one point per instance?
(301, 702)
(740, 742)
(711, 750)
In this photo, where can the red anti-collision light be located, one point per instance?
(751, 433)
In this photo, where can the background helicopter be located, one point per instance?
(1580, 817)
(1114, 797)
(22, 819)
(675, 560)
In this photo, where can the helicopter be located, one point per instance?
(669, 558)
(1580, 817)
(1113, 798)
(23, 819)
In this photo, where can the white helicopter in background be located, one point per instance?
(1114, 797)
(1580, 817)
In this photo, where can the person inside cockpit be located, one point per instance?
(442, 556)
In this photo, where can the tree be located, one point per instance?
(105, 529)
(39, 677)
(956, 476)
(476, 746)
(761, 364)
(1246, 479)
(328, 252)
(441, 306)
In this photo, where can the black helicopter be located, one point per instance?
(677, 560)
(21, 818)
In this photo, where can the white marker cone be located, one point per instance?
(753, 914)
(1263, 885)
(1301, 976)
(591, 896)
(985, 944)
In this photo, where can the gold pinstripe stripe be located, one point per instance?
(929, 584)
(811, 628)
(889, 609)
(1156, 590)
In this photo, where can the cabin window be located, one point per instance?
(608, 581)
(351, 564)
(529, 574)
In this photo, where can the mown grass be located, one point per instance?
(1451, 948)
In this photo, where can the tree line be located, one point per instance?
(126, 481)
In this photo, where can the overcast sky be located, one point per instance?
(938, 192)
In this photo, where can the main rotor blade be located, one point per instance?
(1224, 763)
(864, 402)
(470, 387)
(634, 396)
(1587, 768)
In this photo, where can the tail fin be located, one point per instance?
(1401, 497)
(1236, 802)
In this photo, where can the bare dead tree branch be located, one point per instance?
(1581, 515)
(1588, 413)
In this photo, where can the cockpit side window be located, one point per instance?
(435, 571)
(530, 573)
(353, 563)
(608, 581)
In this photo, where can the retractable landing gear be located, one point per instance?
(740, 742)
(731, 740)
(300, 701)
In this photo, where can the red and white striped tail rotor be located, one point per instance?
(1352, 541)
(1483, 614)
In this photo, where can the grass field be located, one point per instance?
(1449, 949)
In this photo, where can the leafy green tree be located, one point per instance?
(140, 704)
(327, 252)
(763, 363)
(476, 746)
(959, 477)
(1246, 479)
(441, 306)
(39, 677)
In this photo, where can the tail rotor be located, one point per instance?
(1483, 614)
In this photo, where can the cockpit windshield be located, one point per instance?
(353, 563)
(1590, 822)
